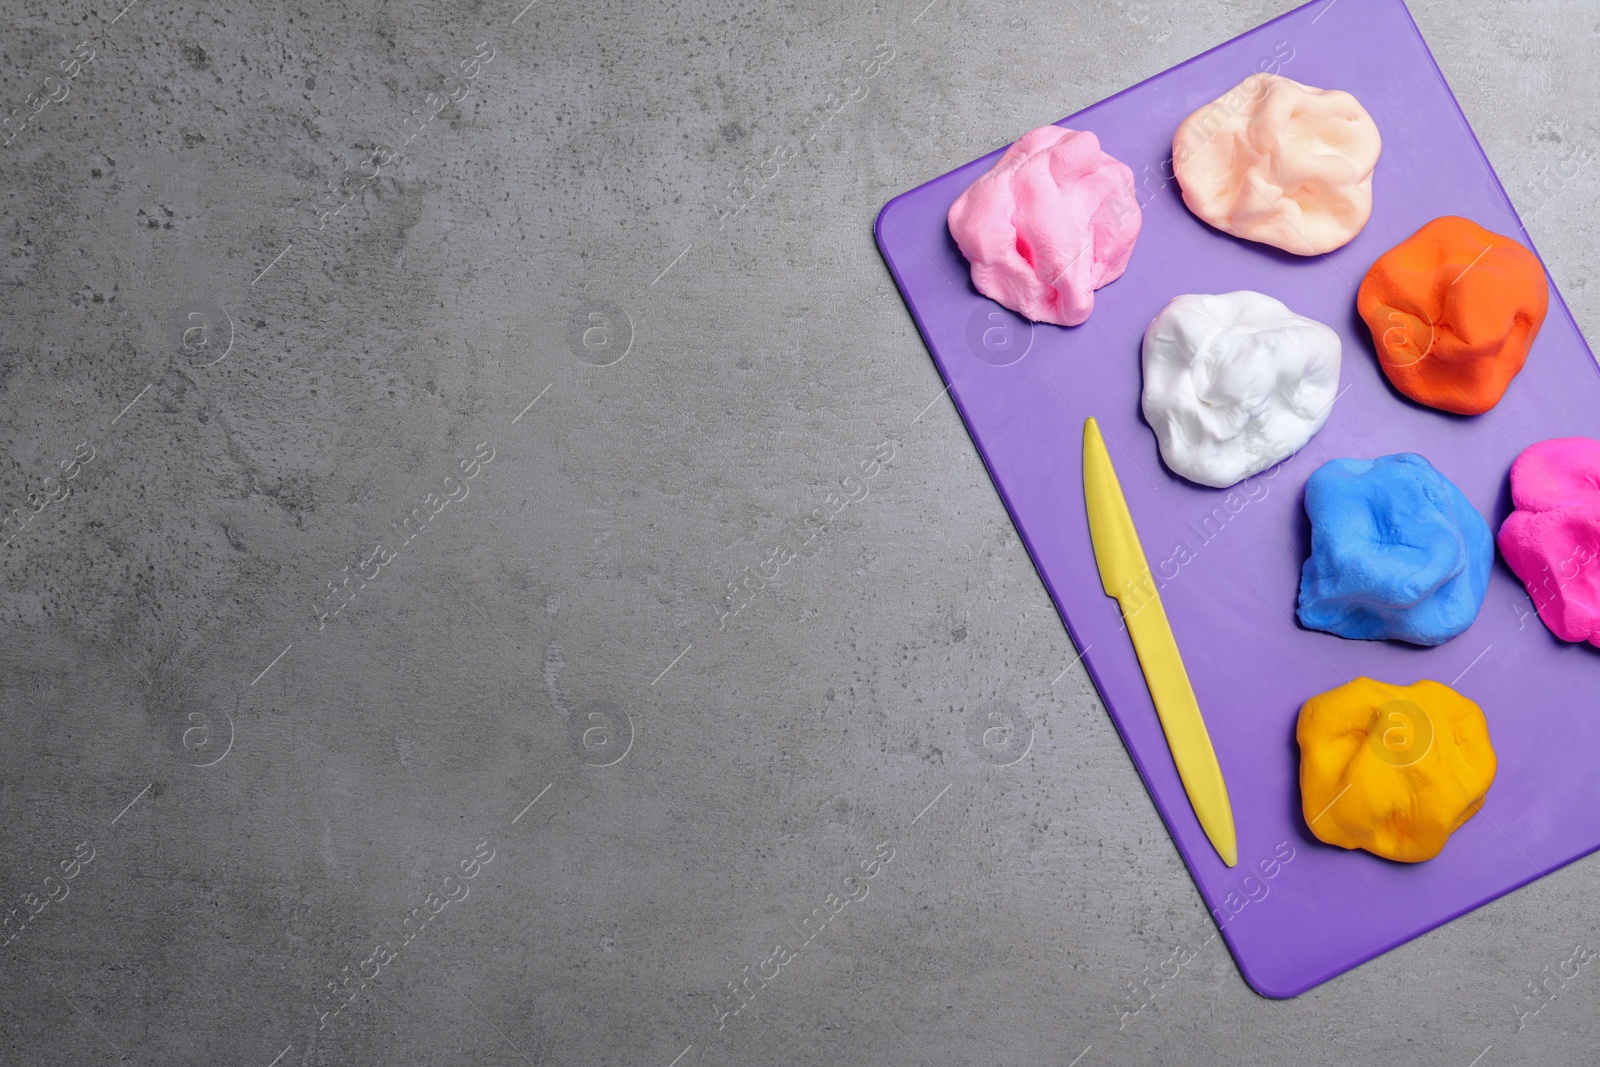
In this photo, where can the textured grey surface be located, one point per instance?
(267, 797)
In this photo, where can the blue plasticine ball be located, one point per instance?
(1396, 552)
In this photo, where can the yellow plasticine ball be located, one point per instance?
(1393, 769)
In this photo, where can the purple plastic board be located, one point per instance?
(1024, 390)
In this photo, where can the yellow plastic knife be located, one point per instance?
(1126, 576)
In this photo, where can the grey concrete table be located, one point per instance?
(402, 663)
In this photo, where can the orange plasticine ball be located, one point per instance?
(1453, 310)
(1393, 769)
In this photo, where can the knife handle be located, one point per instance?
(1181, 721)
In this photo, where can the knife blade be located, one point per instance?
(1125, 574)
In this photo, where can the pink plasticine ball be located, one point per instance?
(1052, 222)
(1552, 539)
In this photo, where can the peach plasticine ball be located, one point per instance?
(1280, 163)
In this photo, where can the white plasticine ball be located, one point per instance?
(1235, 383)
